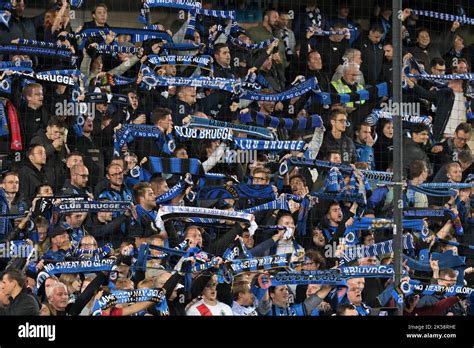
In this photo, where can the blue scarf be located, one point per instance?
(83, 266)
(259, 263)
(32, 50)
(293, 92)
(300, 123)
(64, 77)
(180, 4)
(5, 18)
(368, 271)
(456, 244)
(176, 166)
(306, 162)
(202, 61)
(129, 296)
(197, 133)
(374, 117)
(18, 66)
(5, 225)
(144, 254)
(115, 48)
(173, 192)
(200, 122)
(182, 46)
(378, 91)
(275, 145)
(371, 224)
(416, 287)
(254, 46)
(96, 254)
(277, 204)
(107, 98)
(444, 16)
(238, 249)
(236, 191)
(428, 77)
(340, 197)
(91, 206)
(171, 212)
(334, 181)
(362, 251)
(208, 13)
(138, 35)
(323, 277)
(219, 83)
(428, 192)
(129, 132)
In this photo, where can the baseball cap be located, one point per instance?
(57, 231)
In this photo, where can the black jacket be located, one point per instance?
(107, 232)
(32, 122)
(20, 28)
(93, 157)
(30, 178)
(344, 145)
(24, 304)
(372, 59)
(331, 53)
(411, 152)
(54, 167)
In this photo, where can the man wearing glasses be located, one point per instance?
(337, 140)
(448, 150)
(78, 183)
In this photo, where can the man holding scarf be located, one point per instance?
(145, 224)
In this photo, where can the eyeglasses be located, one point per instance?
(464, 140)
(116, 174)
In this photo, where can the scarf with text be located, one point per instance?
(275, 145)
(444, 16)
(260, 132)
(361, 251)
(174, 192)
(350, 233)
(91, 206)
(293, 92)
(201, 61)
(376, 115)
(128, 132)
(138, 35)
(167, 212)
(83, 266)
(129, 296)
(306, 162)
(196, 133)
